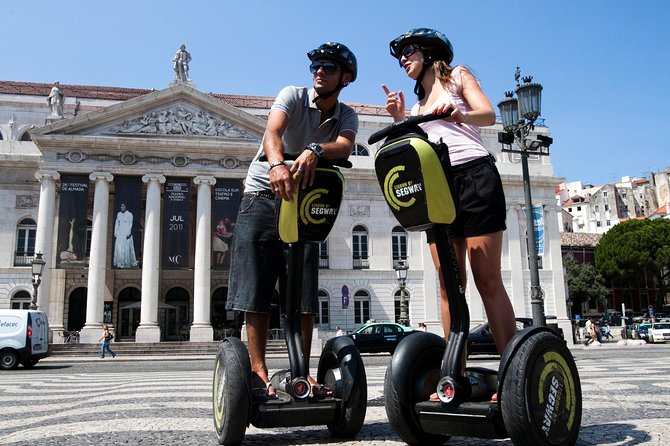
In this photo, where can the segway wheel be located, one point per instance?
(411, 378)
(341, 355)
(231, 392)
(541, 397)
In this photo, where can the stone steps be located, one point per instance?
(158, 348)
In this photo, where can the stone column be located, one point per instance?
(97, 266)
(516, 227)
(201, 330)
(149, 329)
(44, 237)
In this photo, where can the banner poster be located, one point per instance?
(225, 205)
(176, 227)
(127, 231)
(72, 219)
(538, 223)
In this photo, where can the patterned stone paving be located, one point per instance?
(626, 395)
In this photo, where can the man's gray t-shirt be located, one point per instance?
(303, 128)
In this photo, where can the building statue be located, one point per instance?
(55, 100)
(180, 64)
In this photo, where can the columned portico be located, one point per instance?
(201, 330)
(149, 329)
(45, 232)
(97, 266)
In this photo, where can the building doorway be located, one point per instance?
(76, 314)
(177, 323)
(129, 313)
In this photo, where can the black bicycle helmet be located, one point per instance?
(338, 52)
(434, 44)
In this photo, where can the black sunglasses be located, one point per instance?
(408, 51)
(328, 67)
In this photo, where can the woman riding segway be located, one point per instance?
(456, 196)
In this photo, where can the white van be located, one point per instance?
(24, 338)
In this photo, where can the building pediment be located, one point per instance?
(178, 127)
(179, 111)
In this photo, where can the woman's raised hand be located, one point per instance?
(395, 103)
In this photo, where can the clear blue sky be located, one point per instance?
(604, 65)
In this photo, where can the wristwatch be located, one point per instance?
(316, 148)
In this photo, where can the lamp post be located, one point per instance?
(38, 267)
(401, 268)
(518, 120)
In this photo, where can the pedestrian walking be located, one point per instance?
(106, 338)
(607, 332)
(589, 332)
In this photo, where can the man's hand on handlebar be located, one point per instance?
(303, 169)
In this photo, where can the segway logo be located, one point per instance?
(553, 402)
(316, 213)
(400, 195)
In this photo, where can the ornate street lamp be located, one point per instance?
(518, 120)
(401, 268)
(38, 267)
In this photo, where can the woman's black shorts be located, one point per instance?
(480, 199)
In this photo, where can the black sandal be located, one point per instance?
(320, 391)
(261, 390)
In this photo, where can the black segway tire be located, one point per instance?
(541, 396)
(351, 415)
(411, 378)
(231, 391)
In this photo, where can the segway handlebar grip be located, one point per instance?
(323, 162)
(408, 122)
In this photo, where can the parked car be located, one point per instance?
(378, 337)
(24, 338)
(659, 332)
(642, 331)
(480, 340)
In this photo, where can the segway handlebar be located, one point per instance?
(323, 162)
(407, 123)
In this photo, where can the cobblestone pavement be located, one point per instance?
(626, 395)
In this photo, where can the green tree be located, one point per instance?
(631, 247)
(585, 282)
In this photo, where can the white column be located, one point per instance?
(149, 330)
(45, 233)
(518, 265)
(201, 330)
(97, 266)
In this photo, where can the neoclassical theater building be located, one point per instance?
(131, 197)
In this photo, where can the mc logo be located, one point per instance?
(175, 259)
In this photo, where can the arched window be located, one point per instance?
(25, 137)
(20, 300)
(322, 316)
(25, 242)
(361, 307)
(360, 150)
(398, 245)
(360, 247)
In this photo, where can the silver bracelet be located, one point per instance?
(277, 164)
